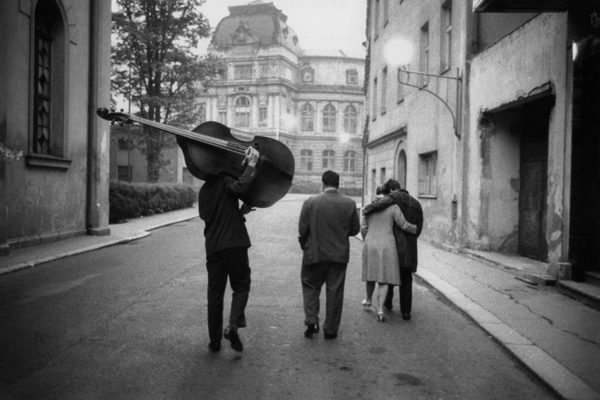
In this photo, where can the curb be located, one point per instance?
(44, 260)
(555, 375)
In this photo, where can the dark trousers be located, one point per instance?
(405, 288)
(313, 276)
(232, 263)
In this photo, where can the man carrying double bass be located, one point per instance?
(227, 243)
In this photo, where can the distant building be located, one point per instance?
(519, 174)
(313, 103)
(55, 72)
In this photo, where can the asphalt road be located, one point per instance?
(128, 322)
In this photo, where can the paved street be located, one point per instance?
(128, 322)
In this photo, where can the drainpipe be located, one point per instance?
(98, 137)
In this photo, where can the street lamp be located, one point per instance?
(399, 52)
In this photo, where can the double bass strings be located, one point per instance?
(236, 148)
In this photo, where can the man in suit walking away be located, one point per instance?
(406, 243)
(327, 220)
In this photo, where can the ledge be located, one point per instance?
(43, 161)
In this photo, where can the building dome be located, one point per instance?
(257, 24)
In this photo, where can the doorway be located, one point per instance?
(584, 243)
(533, 176)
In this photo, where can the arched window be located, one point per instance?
(349, 161)
(242, 112)
(306, 160)
(49, 80)
(401, 168)
(307, 118)
(329, 115)
(328, 159)
(350, 119)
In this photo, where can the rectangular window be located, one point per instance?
(382, 176)
(386, 12)
(428, 174)
(374, 99)
(187, 177)
(124, 173)
(384, 91)
(399, 86)
(376, 19)
(373, 182)
(243, 71)
(264, 70)
(424, 54)
(223, 117)
(202, 113)
(262, 116)
(446, 36)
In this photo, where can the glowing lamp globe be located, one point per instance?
(398, 52)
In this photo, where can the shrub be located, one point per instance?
(133, 200)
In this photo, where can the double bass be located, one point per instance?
(210, 149)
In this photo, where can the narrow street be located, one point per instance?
(128, 322)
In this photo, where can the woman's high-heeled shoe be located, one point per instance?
(380, 317)
(367, 305)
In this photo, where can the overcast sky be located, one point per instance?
(319, 24)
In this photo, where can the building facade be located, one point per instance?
(55, 73)
(269, 86)
(505, 158)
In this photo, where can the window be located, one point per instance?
(384, 91)
(373, 182)
(242, 112)
(243, 71)
(264, 70)
(382, 176)
(125, 144)
(351, 77)
(329, 115)
(386, 13)
(374, 99)
(306, 160)
(399, 87)
(328, 159)
(187, 177)
(124, 173)
(202, 113)
(427, 174)
(307, 118)
(49, 80)
(376, 19)
(349, 161)
(350, 119)
(308, 75)
(446, 36)
(262, 116)
(223, 117)
(424, 55)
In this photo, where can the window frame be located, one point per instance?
(306, 160)
(428, 174)
(328, 159)
(307, 118)
(329, 116)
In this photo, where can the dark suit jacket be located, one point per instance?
(406, 243)
(326, 222)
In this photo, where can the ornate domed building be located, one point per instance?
(269, 86)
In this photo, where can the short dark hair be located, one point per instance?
(390, 186)
(331, 179)
(379, 190)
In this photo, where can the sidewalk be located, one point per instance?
(556, 337)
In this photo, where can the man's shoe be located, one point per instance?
(330, 335)
(406, 316)
(232, 335)
(214, 346)
(311, 330)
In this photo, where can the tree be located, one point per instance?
(155, 66)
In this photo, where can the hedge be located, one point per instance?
(133, 200)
